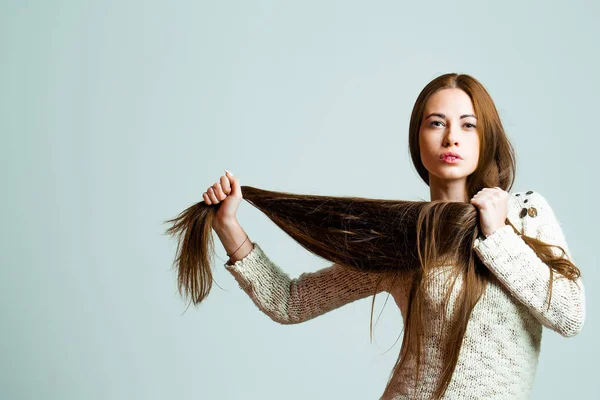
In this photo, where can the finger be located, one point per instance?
(206, 198)
(235, 185)
(225, 185)
(211, 195)
(219, 191)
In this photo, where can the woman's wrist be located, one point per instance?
(236, 242)
(241, 252)
(224, 224)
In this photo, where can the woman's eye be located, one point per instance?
(435, 123)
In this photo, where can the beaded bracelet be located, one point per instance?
(229, 255)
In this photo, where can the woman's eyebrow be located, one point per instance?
(444, 116)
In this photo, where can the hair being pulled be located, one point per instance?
(371, 235)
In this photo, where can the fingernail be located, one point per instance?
(229, 172)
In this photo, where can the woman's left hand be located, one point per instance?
(493, 209)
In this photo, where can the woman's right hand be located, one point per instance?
(226, 192)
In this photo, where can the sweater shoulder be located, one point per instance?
(529, 200)
(528, 210)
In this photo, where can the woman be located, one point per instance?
(472, 325)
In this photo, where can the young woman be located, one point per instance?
(469, 332)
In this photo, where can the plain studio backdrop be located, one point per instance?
(117, 115)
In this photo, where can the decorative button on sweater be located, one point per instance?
(500, 350)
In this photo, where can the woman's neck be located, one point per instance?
(448, 190)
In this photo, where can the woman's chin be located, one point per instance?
(447, 175)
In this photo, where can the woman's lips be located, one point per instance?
(451, 160)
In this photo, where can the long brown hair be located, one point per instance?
(395, 238)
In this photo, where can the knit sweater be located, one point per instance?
(501, 346)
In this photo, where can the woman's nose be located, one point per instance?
(451, 138)
(452, 134)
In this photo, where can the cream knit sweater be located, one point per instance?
(500, 350)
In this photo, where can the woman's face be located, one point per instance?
(449, 125)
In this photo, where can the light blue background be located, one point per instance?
(117, 115)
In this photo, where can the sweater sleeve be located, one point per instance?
(292, 301)
(519, 268)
